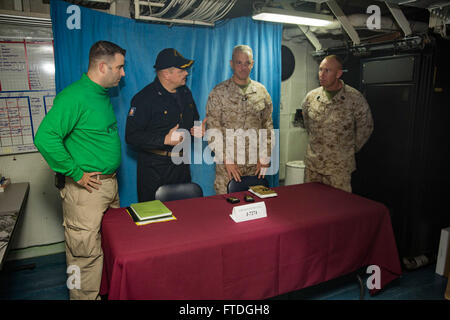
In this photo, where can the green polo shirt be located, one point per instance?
(79, 133)
(331, 94)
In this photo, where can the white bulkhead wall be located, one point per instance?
(293, 140)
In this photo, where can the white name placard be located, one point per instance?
(248, 212)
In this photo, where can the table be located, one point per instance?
(12, 205)
(313, 233)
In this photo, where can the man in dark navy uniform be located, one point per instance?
(156, 115)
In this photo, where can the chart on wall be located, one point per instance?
(27, 90)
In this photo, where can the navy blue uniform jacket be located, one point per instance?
(154, 111)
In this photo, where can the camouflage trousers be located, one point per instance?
(221, 182)
(342, 181)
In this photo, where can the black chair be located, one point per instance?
(178, 191)
(246, 181)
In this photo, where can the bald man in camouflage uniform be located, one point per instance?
(339, 122)
(240, 103)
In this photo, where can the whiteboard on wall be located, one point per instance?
(27, 90)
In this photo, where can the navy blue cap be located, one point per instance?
(170, 57)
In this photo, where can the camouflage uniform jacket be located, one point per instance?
(229, 108)
(337, 129)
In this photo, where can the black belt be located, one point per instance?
(166, 153)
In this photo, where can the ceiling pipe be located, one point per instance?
(358, 21)
(343, 19)
(400, 18)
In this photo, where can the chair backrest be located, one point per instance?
(178, 191)
(246, 181)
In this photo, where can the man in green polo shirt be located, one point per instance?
(79, 139)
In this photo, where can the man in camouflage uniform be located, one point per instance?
(241, 107)
(339, 122)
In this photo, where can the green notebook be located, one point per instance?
(150, 210)
(148, 221)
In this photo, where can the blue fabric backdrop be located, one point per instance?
(211, 49)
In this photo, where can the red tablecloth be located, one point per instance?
(312, 233)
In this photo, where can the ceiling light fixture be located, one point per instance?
(292, 17)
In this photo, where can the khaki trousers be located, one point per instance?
(342, 181)
(83, 213)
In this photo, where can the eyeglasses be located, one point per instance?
(245, 64)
